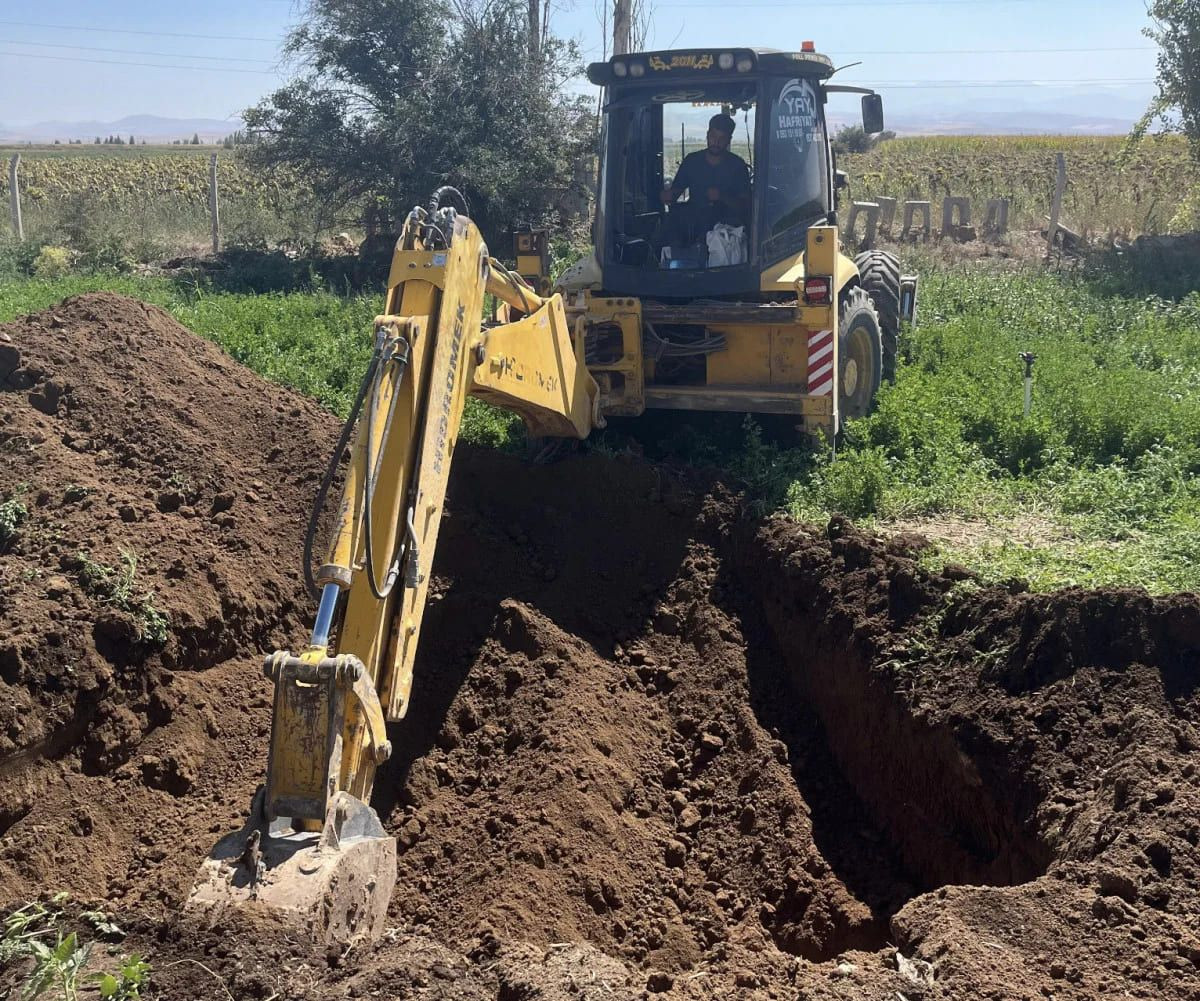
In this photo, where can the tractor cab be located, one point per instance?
(775, 168)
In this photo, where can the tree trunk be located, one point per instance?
(535, 30)
(622, 24)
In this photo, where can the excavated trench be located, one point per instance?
(954, 811)
(654, 745)
(674, 729)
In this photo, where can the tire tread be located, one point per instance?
(879, 274)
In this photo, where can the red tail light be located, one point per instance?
(818, 290)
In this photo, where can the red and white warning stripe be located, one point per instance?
(820, 363)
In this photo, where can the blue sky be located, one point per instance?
(70, 59)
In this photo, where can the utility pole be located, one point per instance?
(622, 24)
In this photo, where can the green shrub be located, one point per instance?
(856, 483)
(52, 262)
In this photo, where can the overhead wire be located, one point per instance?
(135, 52)
(125, 62)
(944, 84)
(133, 31)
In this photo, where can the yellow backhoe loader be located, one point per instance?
(768, 317)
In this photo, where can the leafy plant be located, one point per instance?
(104, 924)
(12, 513)
(57, 966)
(52, 262)
(23, 926)
(117, 587)
(127, 983)
(34, 931)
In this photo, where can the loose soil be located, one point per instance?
(656, 747)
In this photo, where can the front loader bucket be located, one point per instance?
(334, 883)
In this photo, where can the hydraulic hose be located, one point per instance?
(331, 471)
(447, 195)
(513, 281)
(401, 361)
(370, 384)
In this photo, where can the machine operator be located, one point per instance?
(718, 186)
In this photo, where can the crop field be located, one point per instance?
(1153, 189)
(154, 199)
(150, 202)
(123, 180)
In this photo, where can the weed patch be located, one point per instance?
(51, 958)
(117, 587)
(13, 513)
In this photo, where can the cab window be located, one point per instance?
(796, 168)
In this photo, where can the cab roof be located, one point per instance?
(713, 63)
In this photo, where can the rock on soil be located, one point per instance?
(656, 748)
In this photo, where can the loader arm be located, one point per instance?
(328, 733)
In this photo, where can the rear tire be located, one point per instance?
(879, 275)
(860, 356)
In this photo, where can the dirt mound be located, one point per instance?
(164, 488)
(655, 748)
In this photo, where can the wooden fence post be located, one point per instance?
(1060, 185)
(214, 206)
(14, 195)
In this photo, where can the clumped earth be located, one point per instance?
(657, 748)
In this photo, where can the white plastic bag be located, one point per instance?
(726, 245)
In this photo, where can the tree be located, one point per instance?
(852, 139)
(1176, 107)
(195, 139)
(398, 97)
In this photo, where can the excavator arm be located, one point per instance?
(321, 853)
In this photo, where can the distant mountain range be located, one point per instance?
(1007, 123)
(914, 120)
(948, 120)
(151, 128)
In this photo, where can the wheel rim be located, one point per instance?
(857, 372)
(850, 378)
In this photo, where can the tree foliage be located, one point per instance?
(853, 139)
(396, 97)
(1176, 107)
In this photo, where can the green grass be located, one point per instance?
(1097, 487)
(314, 341)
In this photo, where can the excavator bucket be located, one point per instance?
(334, 883)
(334, 877)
